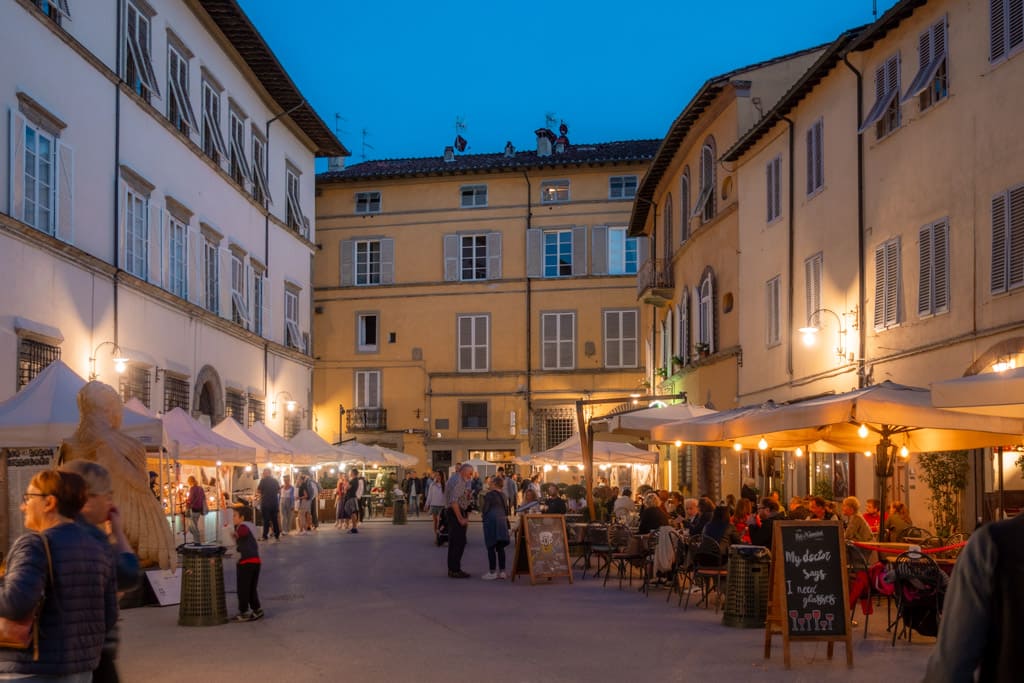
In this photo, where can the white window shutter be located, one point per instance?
(1015, 237)
(712, 347)
(810, 160)
(494, 256)
(630, 351)
(998, 278)
(387, 261)
(267, 298)
(892, 282)
(940, 245)
(567, 341)
(122, 227)
(599, 249)
(997, 30)
(348, 250)
(534, 253)
(769, 190)
(16, 199)
(224, 281)
(643, 249)
(579, 250)
(196, 274)
(452, 247)
(879, 316)
(925, 279)
(155, 245)
(65, 192)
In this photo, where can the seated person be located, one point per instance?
(797, 509)
(767, 513)
(819, 509)
(624, 505)
(531, 505)
(722, 529)
(553, 504)
(674, 505)
(897, 521)
(705, 508)
(653, 516)
(609, 502)
(871, 514)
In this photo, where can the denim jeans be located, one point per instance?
(195, 519)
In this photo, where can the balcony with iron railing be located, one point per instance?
(654, 282)
(366, 420)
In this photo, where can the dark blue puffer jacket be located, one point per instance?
(77, 613)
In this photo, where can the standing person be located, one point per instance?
(314, 502)
(340, 520)
(511, 489)
(495, 523)
(248, 569)
(196, 504)
(411, 489)
(457, 498)
(425, 480)
(435, 499)
(303, 497)
(74, 619)
(980, 633)
(353, 496)
(287, 505)
(270, 503)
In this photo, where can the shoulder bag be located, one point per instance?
(23, 634)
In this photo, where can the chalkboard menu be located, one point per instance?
(541, 542)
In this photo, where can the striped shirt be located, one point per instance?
(458, 491)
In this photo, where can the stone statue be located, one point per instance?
(99, 439)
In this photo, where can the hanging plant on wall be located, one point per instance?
(945, 473)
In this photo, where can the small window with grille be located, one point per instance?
(557, 430)
(255, 412)
(292, 424)
(175, 393)
(33, 357)
(135, 384)
(474, 415)
(234, 405)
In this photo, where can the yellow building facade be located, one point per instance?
(464, 303)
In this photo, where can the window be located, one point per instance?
(57, 10)
(1006, 28)
(211, 264)
(367, 262)
(234, 405)
(705, 206)
(367, 389)
(471, 196)
(706, 314)
(473, 347)
(622, 187)
(238, 166)
(933, 282)
(473, 415)
(1008, 240)
(257, 300)
(134, 383)
(296, 221)
(887, 284)
(239, 300)
(256, 411)
(815, 157)
(683, 334)
(175, 393)
(177, 257)
(666, 229)
(212, 138)
(260, 186)
(33, 357)
(931, 83)
(772, 311)
(557, 430)
(292, 424)
(470, 256)
(623, 252)
(138, 66)
(554, 191)
(367, 202)
(179, 108)
(368, 329)
(136, 233)
(620, 339)
(292, 337)
(885, 113)
(773, 180)
(558, 253)
(40, 179)
(684, 206)
(473, 257)
(558, 341)
(812, 284)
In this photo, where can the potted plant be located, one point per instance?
(662, 373)
(678, 361)
(703, 349)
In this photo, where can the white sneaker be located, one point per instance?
(502, 575)
(489, 576)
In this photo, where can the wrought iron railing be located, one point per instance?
(366, 420)
(654, 274)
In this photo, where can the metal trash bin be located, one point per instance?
(747, 585)
(202, 586)
(399, 516)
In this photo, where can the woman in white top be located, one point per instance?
(435, 498)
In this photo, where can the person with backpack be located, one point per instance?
(353, 497)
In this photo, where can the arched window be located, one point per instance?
(683, 333)
(706, 312)
(684, 206)
(705, 206)
(667, 230)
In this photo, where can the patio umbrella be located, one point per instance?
(990, 393)
(360, 452)
(569, 452)
(640, 422)
(713, 429)
(310, 448)
(393, 457)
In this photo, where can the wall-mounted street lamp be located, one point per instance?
(289, 403)
(120, 362)
(810, 332)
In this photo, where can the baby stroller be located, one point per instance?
(442, 530)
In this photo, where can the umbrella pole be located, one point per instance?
(586, 436)
(882, 473)
(1002, 510)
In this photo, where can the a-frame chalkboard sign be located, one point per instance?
(542, 548)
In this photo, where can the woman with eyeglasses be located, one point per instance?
(79, 603)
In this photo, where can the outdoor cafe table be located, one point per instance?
(890, 550)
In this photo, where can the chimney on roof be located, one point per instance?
(545, 140)
(449, 154)
(335, 164)
(510, 151)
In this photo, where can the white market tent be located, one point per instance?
(569, 452)
(191, 441)
(45, 412)
(268, 435)
(266, 450)
(309, 448)
(353, 451)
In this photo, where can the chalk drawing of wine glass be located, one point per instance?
(830, 618)
(800, 620)
(792, 616)
(817, 616)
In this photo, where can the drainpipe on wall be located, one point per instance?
(790, 233)
(861, 245)
(529, 304)
(118, 48)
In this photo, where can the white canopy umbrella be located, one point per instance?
(393, 457)
(309, 448)
(990, 393)
(353, 451)
(45, 412)
(569, 452)
(265, 449)
(198, 443)
(640, 422)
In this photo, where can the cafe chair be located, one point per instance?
(709, 570)
(628, 555)
(608, 540)
(920, 588)
(680, 577)
(862, 585)
(955, 539)
(595, 542)
(914, 534)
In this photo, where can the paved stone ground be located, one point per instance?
(379, 606)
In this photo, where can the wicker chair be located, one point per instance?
(920, 588)
(681, 576)
(709, 569)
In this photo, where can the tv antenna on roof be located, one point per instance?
(874, 8)
(550, 119)
(338, 118)
(460, 142)
(365, 144)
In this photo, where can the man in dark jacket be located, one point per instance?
(270, 503)
(767, 512)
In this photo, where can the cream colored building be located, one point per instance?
(464, 303)
(157, 204)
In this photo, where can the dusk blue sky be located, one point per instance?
(404, 71)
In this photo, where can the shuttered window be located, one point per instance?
(931, 83)
(812, 285)
(684, 206)
(620, 339)
(885, 113)
(1006, 28)
(1008, 240)
(772, 313)
(773, 185)
(136, 234)
(558, 341)
(367, 262)
(706, 314)
(815, 156)
(367, 389)
(683, 334)
(473, 348)
(887, 284)
(933, 278)
(705, 206)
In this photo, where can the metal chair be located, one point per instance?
(680, 577)
(914, 534)
(920, 588)
(631, 552)
(955, 539)
(595, 542)
(607, 540)
(709, 569)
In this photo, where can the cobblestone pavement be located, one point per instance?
(379, 606)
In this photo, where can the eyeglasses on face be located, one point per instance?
(26, 496)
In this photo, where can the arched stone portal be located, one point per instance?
(1006, 349)
(209, 396)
